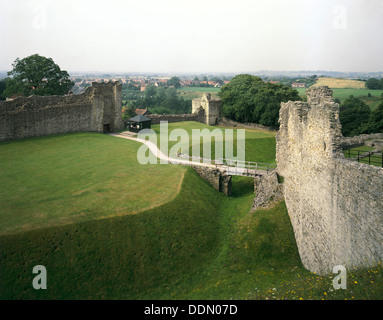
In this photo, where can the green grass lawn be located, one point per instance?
(75, 177)
(374, 159)
(198, 244)
(259, 144)
(189, 93)
(124, 257)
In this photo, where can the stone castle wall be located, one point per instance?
(267, 190)
(157, 118)
(97, 109)
(247, 125)
(335, 205)
(215, 178)
(210, 106)
(350, 142)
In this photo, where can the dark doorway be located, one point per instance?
(106, 128)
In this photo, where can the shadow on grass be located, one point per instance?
(242, 186)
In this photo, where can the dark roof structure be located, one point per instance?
(139, 118)
(143, 111)
(138, 123)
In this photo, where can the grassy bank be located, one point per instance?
(198, 244)
(75, 177)
(121, 257)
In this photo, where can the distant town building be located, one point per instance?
(143, 112)
(298, 85)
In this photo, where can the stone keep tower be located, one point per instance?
(211, 106)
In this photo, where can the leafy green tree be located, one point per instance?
(376, 119)
(12, 88)
(174, 81)
(171, 93)
(162, 100)
(218, 80)
(375, 123)
(374, 84)
(130, 110)
(354, 116)
(3, 84)
(160, 93)
(248, 99)
(37, 75)
(161, 110)
(150, 91)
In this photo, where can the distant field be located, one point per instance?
(189, 93)
(343, 94)
(335, 83)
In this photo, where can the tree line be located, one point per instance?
(249, 99)
(246, 98)
(159, 100)
(374, 84)
(357, 118)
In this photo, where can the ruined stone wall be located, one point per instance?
(157, 118)
(211, 107)
(350, 142)
(267, 189)
(215, 178)
(248, 125)
(213, 115)
(335, 205)
(377, 144)
(196, 105)
(36, 116)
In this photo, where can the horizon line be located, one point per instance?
(215, 72)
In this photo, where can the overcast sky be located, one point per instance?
(195, 35)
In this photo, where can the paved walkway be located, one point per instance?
(157, 152)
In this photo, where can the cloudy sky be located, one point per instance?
(195, 35)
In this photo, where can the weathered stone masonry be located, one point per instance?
(218, 180)
(267, 189)
(157, 118)
(335, 205)
(205, 110)
(210, 106)
(97, 109)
